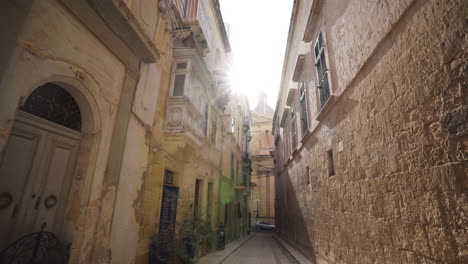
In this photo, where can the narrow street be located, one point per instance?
(263, 248)
(179, 131)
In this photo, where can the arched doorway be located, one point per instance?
(38, 163)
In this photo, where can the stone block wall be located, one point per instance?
(399, 136)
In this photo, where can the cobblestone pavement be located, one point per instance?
(261, 249)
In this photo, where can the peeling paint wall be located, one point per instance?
(54, 47)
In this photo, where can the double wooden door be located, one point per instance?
(35, 175)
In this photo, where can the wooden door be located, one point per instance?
(35, 176)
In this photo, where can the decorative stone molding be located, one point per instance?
(290, 100)
(123, 23)
(183, 117)
(328, 105)
(314, 12)
(298, 69)
(286, 112)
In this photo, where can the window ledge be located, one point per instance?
(306, 135)
(287, 162)
(296, 151)
(326, 108)
(293, 155)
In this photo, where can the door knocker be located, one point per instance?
(50, 201)
(5, 200)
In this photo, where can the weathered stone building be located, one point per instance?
(236, 169)
(72, 101)
(371, 132)
(262, 207)
(104, 104)
(185, 174)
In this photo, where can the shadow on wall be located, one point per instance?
(337, 115)
(292, 225)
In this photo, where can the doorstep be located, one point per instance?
(220, 255)
(301, 259)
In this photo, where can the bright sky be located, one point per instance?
(258, 31)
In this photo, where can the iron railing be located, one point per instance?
(36, 248)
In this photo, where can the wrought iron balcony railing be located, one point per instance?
(189, 22)
(220, 78)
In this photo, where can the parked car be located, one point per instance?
(264, 225)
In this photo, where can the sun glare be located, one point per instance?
(258, 52)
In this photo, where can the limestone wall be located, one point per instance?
(398, 132)
(54, 47)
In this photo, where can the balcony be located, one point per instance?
(183, 117)
(189, 23)
(220, 79)
(221, 87)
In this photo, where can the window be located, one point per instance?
(233, 124)
(181, 66)
(169, 177)
(213, 130)
(331, 165)
(197, 198)
(303, 101)
(179, 83)
(322, 70)
(205, 128)
(184, 6)
(209, 202)
(237, 171)
(293, 129)
(286, 143)
(232, 166)
(307, 176)
(54, 104)
(179, 78)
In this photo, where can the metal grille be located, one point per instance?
(53, 103)
(36, 248)
(178, 12)
(169, 177)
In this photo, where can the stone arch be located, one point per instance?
(91, 121)
(53, 103)
(84, 176)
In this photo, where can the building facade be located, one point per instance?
(371, 131)
(236, 169)
(262, 207)
(107, 109)
(73, 99)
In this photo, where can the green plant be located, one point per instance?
(194, 238)
(162, 247)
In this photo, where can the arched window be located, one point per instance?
(55, 104)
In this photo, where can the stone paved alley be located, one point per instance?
(157, 131)
(261, 249)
